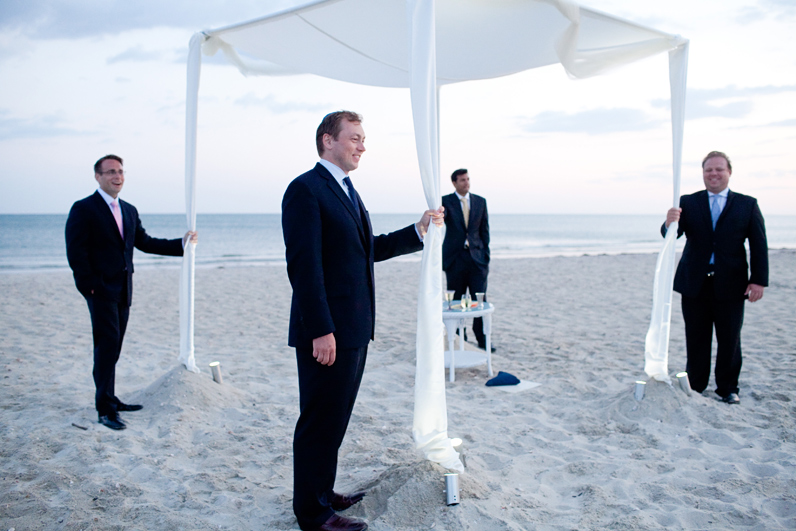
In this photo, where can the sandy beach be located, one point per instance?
(578, 452)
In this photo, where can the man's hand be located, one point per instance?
(436, 216)
(755, 292)
(191, 235)
(324, 349)
(672, 215)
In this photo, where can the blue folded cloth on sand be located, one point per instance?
(503, 378)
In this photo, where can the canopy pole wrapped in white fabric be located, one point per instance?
(656, 350)
(187, 278)
(430, 427)
(418, 44)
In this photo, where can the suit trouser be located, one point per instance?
(465, 273)
(326, 399)
(701, 314)
(108, 324)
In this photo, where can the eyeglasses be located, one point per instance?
(113, 173)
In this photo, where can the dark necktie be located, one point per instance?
(352, 194)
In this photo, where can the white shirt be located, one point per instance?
(108, 199)
(721, 197)
(338, 175)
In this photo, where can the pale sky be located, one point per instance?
(84, 78)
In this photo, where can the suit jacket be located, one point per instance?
(740, 220)
(476, 232)
(100, 259)
(330, 252)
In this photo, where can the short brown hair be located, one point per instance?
(717, 154)
(98, 164)
(332, 125)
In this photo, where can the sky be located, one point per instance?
(83, 78)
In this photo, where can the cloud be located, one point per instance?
(712, 103)
(56, 19)
(783, 123)
(775, 9)
(134, 54)
(276, 107)
(43, 127)
(592, 122)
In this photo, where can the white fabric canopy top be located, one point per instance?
(417, 44)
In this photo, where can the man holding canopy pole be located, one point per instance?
(330, 251)
(713, 274)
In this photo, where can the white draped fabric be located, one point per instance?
(418, 44)
(656, 351)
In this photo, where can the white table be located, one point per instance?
(454, 319)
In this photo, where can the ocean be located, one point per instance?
(35, 242)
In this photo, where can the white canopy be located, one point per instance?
(418, 44)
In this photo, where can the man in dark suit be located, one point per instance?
(713, 273)
(330, 250)
(101, 231)
(465, 251)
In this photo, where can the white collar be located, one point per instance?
(108, 199)
(336, 172)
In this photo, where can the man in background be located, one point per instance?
(101, 232)
(465, 251)
(330, 251)
(713, 273)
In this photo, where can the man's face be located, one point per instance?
(110, 182)
(346, 151)
(462, 184)
(716, 174)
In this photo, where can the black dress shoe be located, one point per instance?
(731, 398)
(482, 346)
(341, 502)
(341, 523)
(128, 407)
(114, 422)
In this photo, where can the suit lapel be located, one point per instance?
(107, 216)
(704, 210)
(333, 185)
(457, 213)
(127, 221)
(730, 197)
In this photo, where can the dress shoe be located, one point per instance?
(731, 398)
(113, 422)
(128, 407)
(341, 523)
(482, 346)
(341, 502)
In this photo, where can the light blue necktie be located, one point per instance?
(715, 210)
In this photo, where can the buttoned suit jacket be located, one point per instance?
(101, 260)
(740, 220)
(330, 252)
(476, 232)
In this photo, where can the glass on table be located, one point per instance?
(479, 296)
(449, 297)
(466, 300)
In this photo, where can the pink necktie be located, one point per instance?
(117, 215)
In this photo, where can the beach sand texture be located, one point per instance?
(577, 452)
